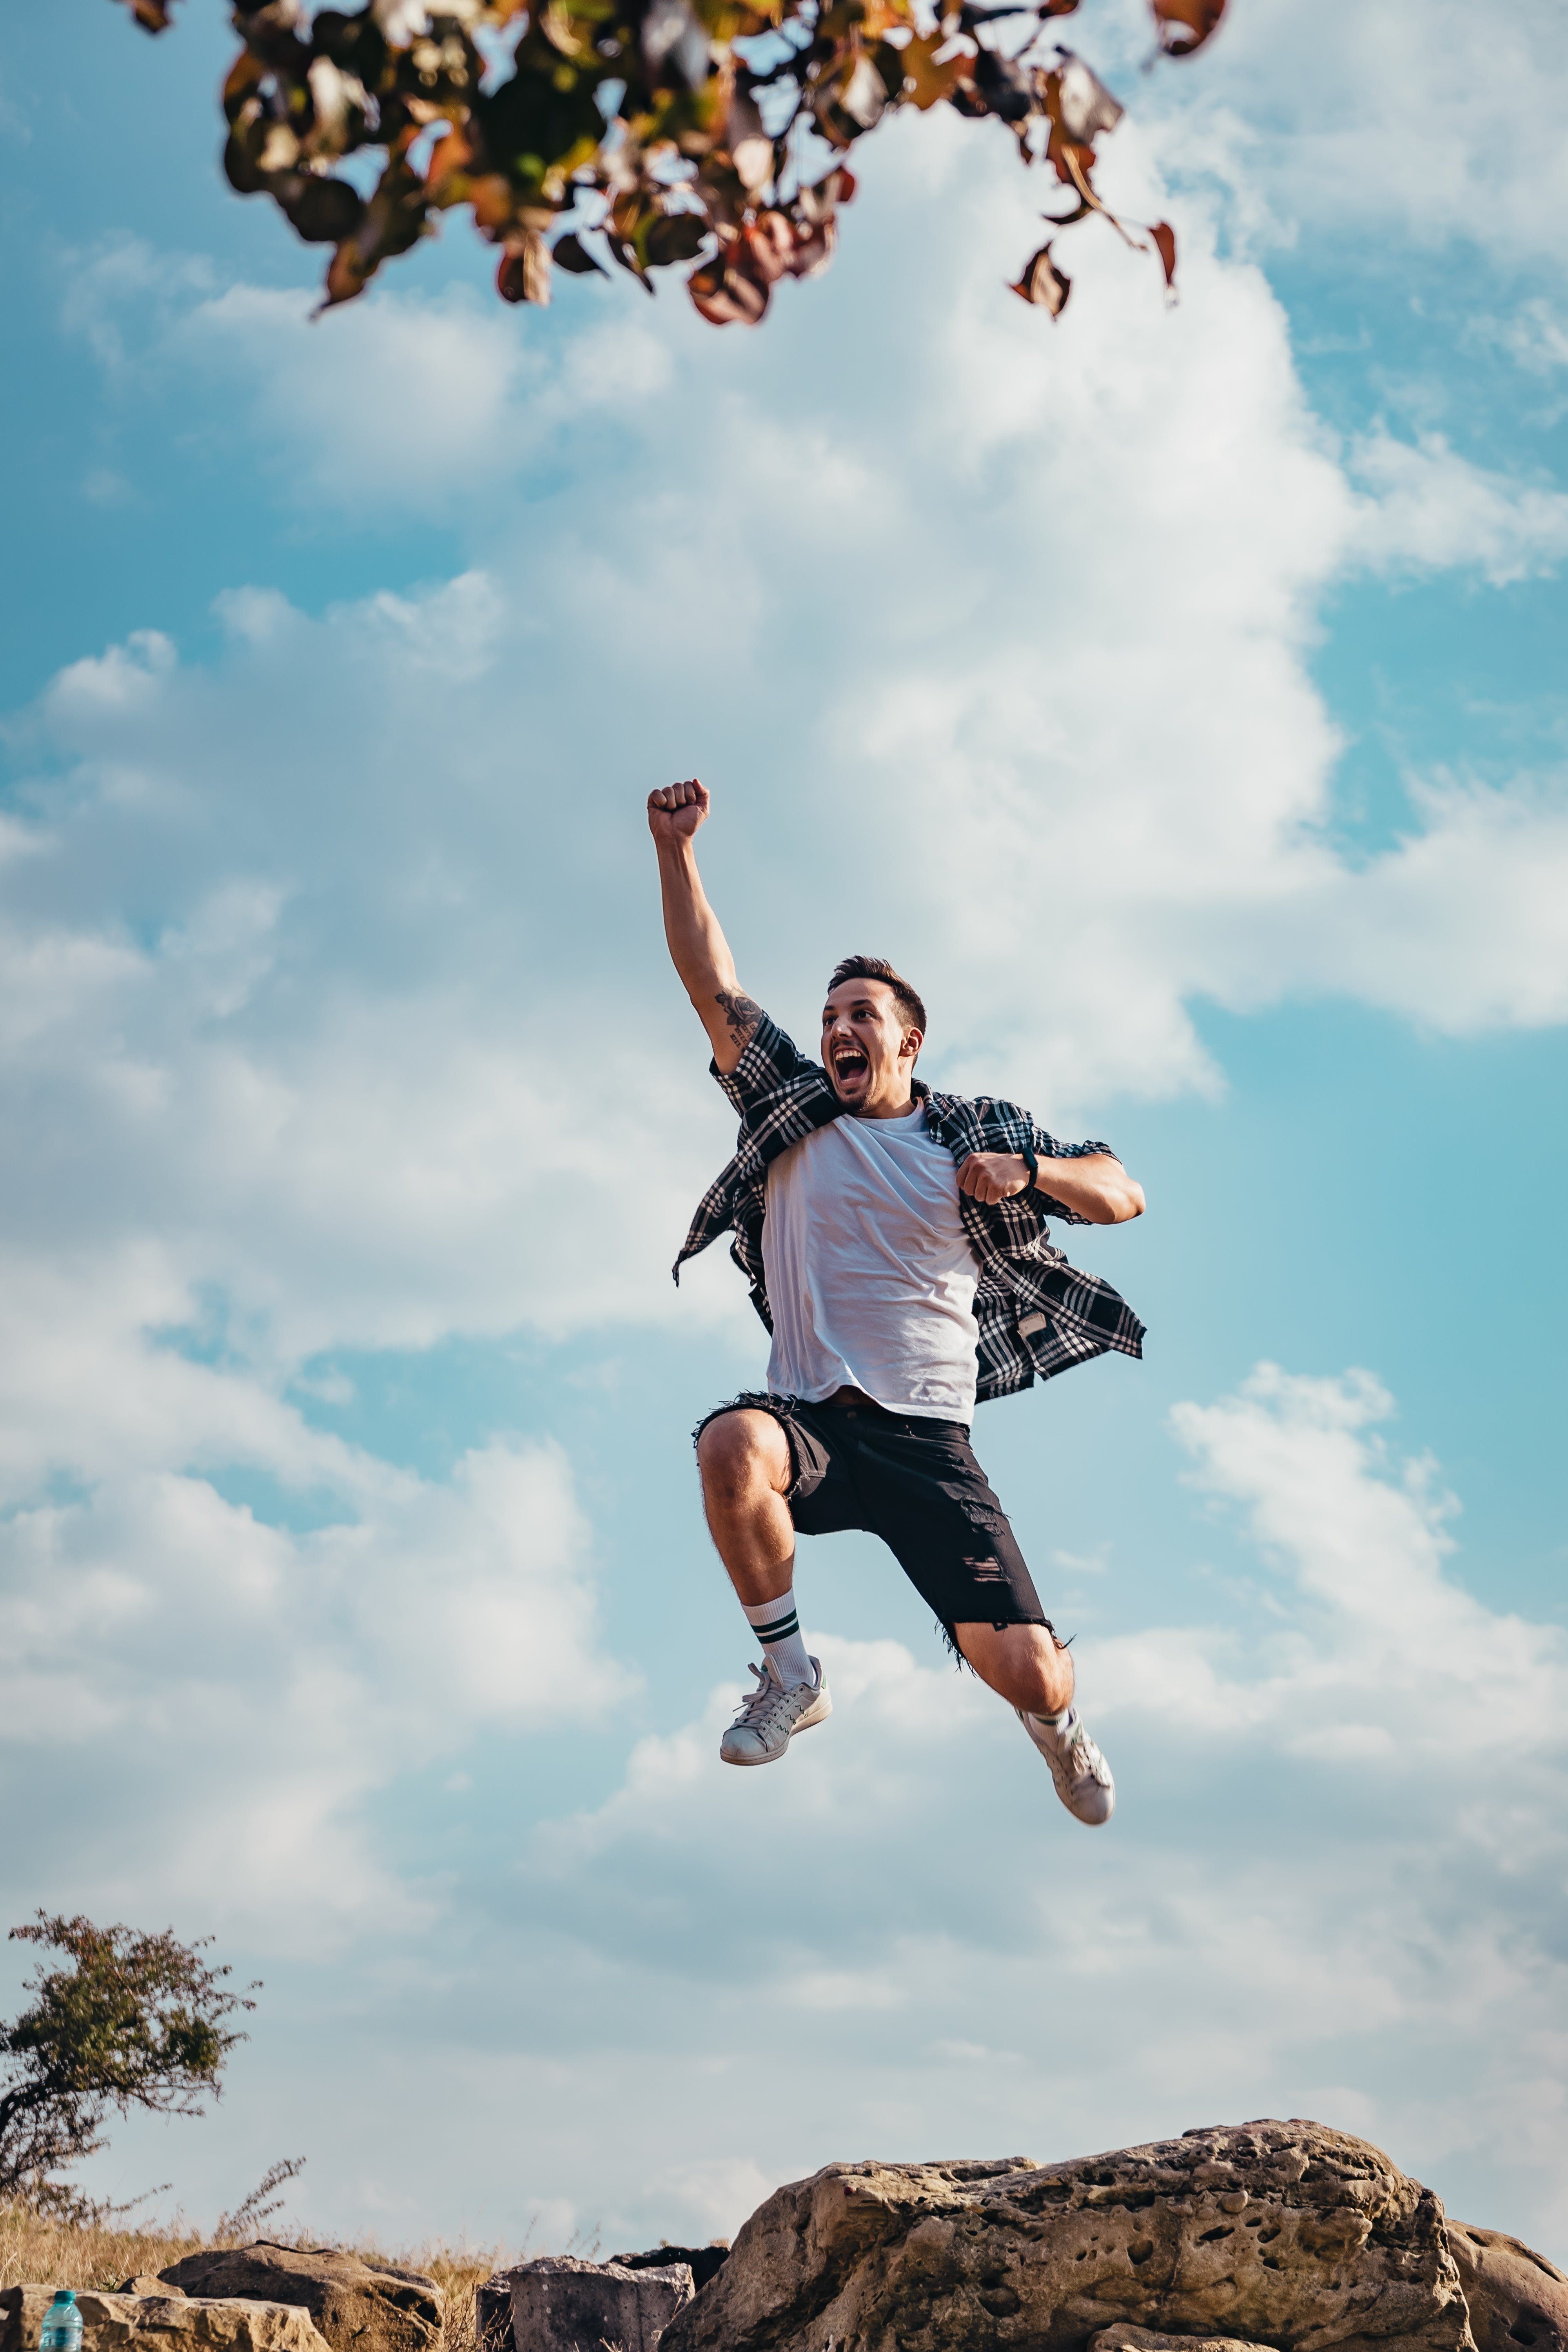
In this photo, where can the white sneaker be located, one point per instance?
(771, 1717)
(1080, 1773)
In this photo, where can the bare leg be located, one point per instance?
(743, 1458)
(1024, 1665)
(1029, 1668)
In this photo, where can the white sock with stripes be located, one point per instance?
(1060, 1723)
(777, 1628)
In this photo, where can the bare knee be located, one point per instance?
(1051, 1670)
(1025, 1664)
(742, 1455)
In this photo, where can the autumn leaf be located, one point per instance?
(392, 221)
(1184, 26)
(1008, 90)
(929, 75)
(819, 201)
(524, 272)
(1078, 100)
(750, 149)
(1043, 283)
(570, 253)
(728, 296)
(321, 211)
(675, 237)
(854, 99)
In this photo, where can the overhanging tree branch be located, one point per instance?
(648, 132)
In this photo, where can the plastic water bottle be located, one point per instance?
(61, 2330)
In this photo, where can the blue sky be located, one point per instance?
(1177, 696)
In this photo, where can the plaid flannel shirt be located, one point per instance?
(1037, 1315)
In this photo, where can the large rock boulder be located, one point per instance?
(358, 2304)
(703, 2261)
(161, 2322)
(558, 2304)
(1518, 2300)
(1281, 2234)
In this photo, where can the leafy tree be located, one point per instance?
(650, 132)
(137, 2022)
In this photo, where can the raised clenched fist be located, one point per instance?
(675, 814)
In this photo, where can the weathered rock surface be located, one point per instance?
(161, 2322)
(359, 2305)
(1122, 2338)
(146, 2284)
(703, 2261)
(1518, 2300)
(1282, 2234)
(558, 2304)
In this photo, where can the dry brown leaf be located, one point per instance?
(570, 253)
(524, 272)
(930, 77)
(726, 296)
(1043, 283)
(1079, 101)
(1185, 26)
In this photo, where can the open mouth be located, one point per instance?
(848, 1064)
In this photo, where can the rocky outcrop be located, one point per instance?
(359, 2304)
(703, 2261)
(1280, 2234)
(558, 2304)
(1518, 2300)
(161, 2322)
(1122, 2338)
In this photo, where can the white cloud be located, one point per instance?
(405, 401)
(249, 1688)
(385, 408)
(1416, 126)
(1072, 654)
(1337, 1855)
(1404, 1662)
(1536, 336)
(1431, 510)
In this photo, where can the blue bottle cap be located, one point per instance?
(64, 2294)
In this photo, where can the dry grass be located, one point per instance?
(37, 2250)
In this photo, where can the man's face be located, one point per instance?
(868, 1051)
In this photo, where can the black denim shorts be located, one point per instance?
(917, 1485)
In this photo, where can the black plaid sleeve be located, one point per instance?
(771, 1059)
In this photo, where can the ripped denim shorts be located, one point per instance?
(917, 1485)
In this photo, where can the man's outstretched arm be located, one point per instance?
(698, 948)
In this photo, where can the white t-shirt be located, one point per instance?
(870, 1275)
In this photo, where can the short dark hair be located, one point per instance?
(877, 967)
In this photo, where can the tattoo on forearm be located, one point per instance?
(739, 1011)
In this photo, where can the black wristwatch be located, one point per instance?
(1025, 1153)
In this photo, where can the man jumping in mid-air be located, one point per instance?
(894, 1240)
